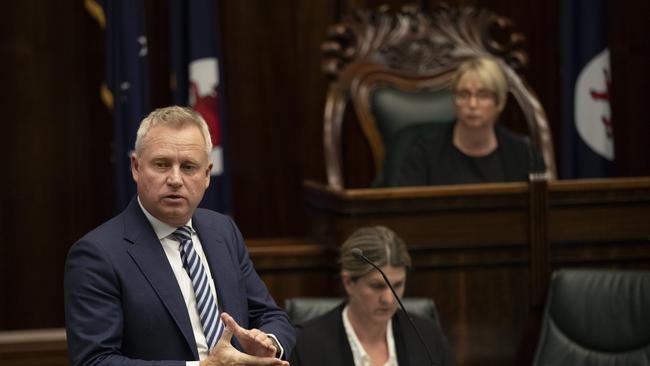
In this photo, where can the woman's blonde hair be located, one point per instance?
(379, 244)
(489, 73)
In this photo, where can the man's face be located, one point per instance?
(476, 106)
(370, 299)
(172, 172)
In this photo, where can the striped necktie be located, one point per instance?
(205, 301)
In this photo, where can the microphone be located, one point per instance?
(358, 253)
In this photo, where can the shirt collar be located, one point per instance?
(162, 229)
(357, 348)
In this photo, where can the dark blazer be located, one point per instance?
(123, 304)
(322, 341)
(422, 162)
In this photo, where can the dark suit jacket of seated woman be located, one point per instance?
(323, 342)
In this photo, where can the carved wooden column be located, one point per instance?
(540, 251)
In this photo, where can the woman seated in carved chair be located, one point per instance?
(474, 149)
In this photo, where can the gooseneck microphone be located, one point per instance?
(358, 253)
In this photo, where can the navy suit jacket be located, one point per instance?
(123, 304)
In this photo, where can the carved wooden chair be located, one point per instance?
(396, 68)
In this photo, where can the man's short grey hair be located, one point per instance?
(176, 117)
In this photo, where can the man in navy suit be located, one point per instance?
(129, 299)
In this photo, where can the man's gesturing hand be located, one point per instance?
(254, 341)
(259, 350)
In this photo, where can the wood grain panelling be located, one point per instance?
(275, 96)
(480, 332)
(34, 347)
(57, 144)
(293, 267)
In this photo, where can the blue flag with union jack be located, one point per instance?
(126, 90)
(198, 83)
(587, 137)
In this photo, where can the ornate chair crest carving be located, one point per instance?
(413, 51)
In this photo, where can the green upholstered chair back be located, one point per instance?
(401, 116)
(397, 147)
(395, 69)
(596, 318)
(303, 309)
(396, 109)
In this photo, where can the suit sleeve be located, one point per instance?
(93, 311)
(263, 312)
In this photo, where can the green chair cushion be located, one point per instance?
(396, 150)
(401, 116)
(395, 109)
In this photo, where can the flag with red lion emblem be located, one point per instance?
(587, 128)
(198, 83)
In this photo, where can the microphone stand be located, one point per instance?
(357, 253)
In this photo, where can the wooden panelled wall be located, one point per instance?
(57, 178)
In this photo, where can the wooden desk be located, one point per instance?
(426, 217)
(33, 347)
(443, 215)
(591, 221)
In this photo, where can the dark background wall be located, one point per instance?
(56, 181)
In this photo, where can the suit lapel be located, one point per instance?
(399, 333)
(345, 352)
(149, 256)
(223, 267)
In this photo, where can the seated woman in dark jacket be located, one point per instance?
(474, 149)
(368, 329)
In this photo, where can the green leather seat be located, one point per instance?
(401, 117)
(396, 150)
(395, 109)
(596, 318)
(303, 309)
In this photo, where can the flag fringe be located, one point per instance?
(96, 11)
(106, 96)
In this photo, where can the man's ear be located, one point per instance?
(135, 167)
(207, 174)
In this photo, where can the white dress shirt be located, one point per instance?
(172, 251)
(359, 354)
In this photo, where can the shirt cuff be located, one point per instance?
(280, 351)
(192, 363)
